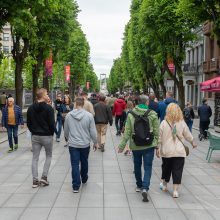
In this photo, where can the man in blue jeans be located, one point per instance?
(11, 119)
(80, 130)
(138, 123)
(58, 105)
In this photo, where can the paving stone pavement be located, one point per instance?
(110, 191)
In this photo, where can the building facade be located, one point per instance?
(193, 69)
(6, 42)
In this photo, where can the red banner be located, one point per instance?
(171, 65)
(87, 85)
(49, 65)
(67, 73)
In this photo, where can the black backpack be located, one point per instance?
(142, 134)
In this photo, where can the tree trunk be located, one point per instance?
(36, 73)
(46, 83)
(19, 81)
(181, 94)
(163, 87)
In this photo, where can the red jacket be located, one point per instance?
(119, 107)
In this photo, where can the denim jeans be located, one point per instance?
(12, 130)
(147, 157)
(58, 126)
(79, 156)
(190, 124)
(119, 122)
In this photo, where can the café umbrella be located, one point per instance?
(212, 85)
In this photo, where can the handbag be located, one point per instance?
(185, 147)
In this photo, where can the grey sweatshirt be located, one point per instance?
(79, 128)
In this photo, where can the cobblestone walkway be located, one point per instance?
(110, 192)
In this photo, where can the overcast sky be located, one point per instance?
(103, 22)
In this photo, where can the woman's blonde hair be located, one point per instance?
(173, 113)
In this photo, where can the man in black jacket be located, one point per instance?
(41, 123)
(103, 116)
(58, 105)
(204, 112)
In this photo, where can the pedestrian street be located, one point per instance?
(109, 193)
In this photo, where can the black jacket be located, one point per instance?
(204, 112)
(103, 114)
(58, 106)
(40, 119)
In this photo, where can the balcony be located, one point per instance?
(214, 64)
(206, 66)
(207, 28)
(190, 68)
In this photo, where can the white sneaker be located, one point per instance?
(58, 139)
(138, 189)
(175, 194)
(75, 191)
(163, 187)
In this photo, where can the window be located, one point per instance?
(5, 36)
(5, 49)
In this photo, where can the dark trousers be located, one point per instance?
(119, 122)
(190, 124)
(174, 166)
(146, 156)
(203, 126)
(12, 131)
(58, 126)
(79, 156)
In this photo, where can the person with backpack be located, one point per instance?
(142, 132)
(189, 115)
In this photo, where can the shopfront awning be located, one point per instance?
(212, 85)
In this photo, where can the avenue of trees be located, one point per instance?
(38, 28)
(157, 34)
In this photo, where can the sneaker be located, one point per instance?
(163, 187)
(75, 190)
(44, 181)
(57, 139)
(15, 147)
(102, 148)
(35, 184)
(175, 194)
(10, 150)
(144, 194)
(66, 145)
(126, 152)
(138, 189)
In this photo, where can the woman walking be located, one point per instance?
(173, 132)
(189, 115)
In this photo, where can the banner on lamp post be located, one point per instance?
(67, 73)
(49, 65)
(87, 85)
(171, 65)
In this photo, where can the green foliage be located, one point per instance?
(7, 73)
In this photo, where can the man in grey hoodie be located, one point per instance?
(79, 129)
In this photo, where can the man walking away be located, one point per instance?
(11, 119)
(79, 130)
(103, 116)
(142, 132)
(152, 104)
(204, 112)
(41, 123)
(163, 105)
(58, 106)
(118, 109)
(87, 104)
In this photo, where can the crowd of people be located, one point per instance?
(145, 126)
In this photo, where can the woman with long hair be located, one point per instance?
(173, 132)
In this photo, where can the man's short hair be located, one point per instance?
(143, 99)
(152, 96)
(170, 94)
(79, 101)
(40, 93)
(102, 98)
(204, 100)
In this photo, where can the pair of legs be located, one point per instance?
(101, 132)
(79, 156)
(37, 143)
(146, 156)
(204, 126)
(12, 130)
(58, 127)
(190, 124)
(119, 123)
(174, 166)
